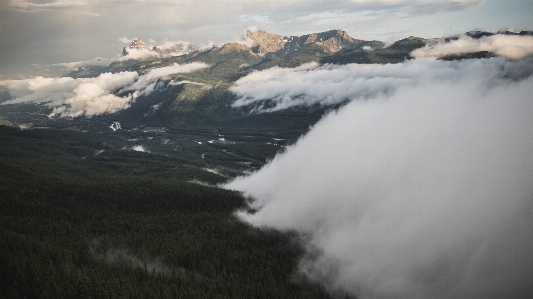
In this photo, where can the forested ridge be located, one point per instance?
(75, 224)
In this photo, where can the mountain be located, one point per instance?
(175, 49)
(135, 44)
(200, 101)
(262, 50)
(167, 49)
(274, 46)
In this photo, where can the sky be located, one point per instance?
(39, 37)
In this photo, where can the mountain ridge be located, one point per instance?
(275, 46)
(259, 50)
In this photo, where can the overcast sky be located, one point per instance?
(35, 34)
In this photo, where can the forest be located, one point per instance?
(82, 217)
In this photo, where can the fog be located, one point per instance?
(419, 188)
(71, 97)
(150, 78)
(310, 84)
(510, 46)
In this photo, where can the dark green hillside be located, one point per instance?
(226, 64)
(395, 53)
(356, 55)
(306, 54)
(78, 225)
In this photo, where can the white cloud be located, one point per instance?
(90, 14)
(185, 82)
(89, 96)
(100, 61)
(139, 54)
(140, 148)
(150, 78)
(510, 46)
(126, 40)
(74, 97)
(178, 48)
(205, 47)
(425, 193)
(310, 84)
(24, 5)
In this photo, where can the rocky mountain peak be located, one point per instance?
(275, 46)
(264, 42)
(135, 44)
(175, 49)
(167, 49)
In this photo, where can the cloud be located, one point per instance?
(148, 79)
(140, 148)
(90, 96)
(185, 82)
(74, 97)
(90, 14)
(172, 44)
(310, 84)
(24, 5)
(422, 193)
(126, 40)
(138, 54)
(510, 46)
(100, 61)
(167, 48)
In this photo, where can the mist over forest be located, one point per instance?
(420, 187)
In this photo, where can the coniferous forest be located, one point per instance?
(81, 217)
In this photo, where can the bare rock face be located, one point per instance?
(263, 42)
(176, 49)
(333, 40)
(168, 49)
(135, 44)
(272, 46)
(276, 46)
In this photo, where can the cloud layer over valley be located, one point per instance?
(510, 46)
(281, 88)
(90, 96)
(420, 188)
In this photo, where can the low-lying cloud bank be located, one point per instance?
(147, 82)
(90, 96)
(510, 46)
(310, 84)
(424, 192)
